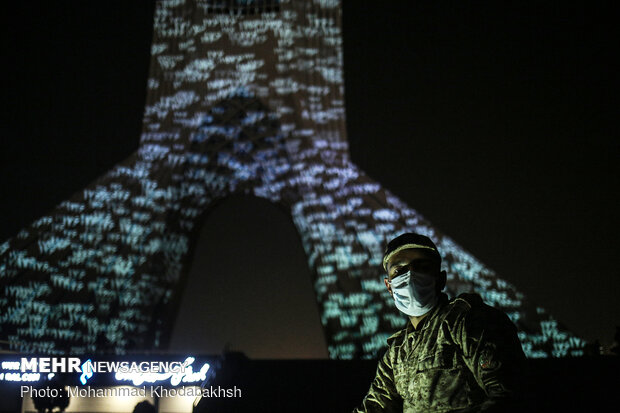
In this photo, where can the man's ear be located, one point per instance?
(441, 282)
(388, 286)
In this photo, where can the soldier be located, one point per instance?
(454, 355)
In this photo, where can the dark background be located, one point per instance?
(496, 122)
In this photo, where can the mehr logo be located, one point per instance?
(74, 365)
(51, 365)
(176, 372)
(136, 372)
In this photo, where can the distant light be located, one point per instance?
(186, 376)
(21, 377)
(87, 371)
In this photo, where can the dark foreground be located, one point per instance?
(588, 384)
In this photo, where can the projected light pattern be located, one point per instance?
(236, 103)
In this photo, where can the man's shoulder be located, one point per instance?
(459, 306)
(465, 302)
(470, 309)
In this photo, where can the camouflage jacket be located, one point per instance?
(463, 355)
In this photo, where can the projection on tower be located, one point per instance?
(243, 97)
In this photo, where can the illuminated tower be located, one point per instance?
(242, 97)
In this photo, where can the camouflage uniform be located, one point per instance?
(463, 355)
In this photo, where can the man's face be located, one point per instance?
(414, 259)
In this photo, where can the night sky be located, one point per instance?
(497, 123)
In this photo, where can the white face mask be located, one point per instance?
(414, 293)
